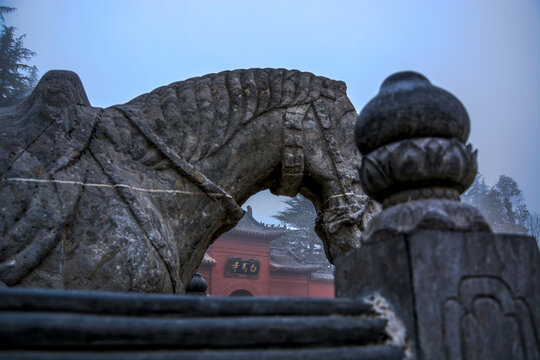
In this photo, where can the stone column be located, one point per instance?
(457, 290)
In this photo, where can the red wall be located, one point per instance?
(227, 246)
(267, 283)
(321, 288)
(289, 284)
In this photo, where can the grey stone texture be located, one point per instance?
(60, 324)
(461, 295)
(460, 291)
(408, 106)
(435, 214)
(197, 286)
(129, 197)
(415, 161)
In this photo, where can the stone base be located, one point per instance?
(459, 295)
(58, 324)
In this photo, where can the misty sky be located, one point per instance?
(487, 53)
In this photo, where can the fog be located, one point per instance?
(485, 52)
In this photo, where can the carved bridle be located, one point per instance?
(292, 162)
(293, 158)
(346, 207)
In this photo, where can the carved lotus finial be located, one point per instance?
(409, 106)
(415, 160)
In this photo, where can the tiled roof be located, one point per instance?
(248, 226)
(208, 260)
(285, 261)
(324, 275)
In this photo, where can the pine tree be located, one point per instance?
(533, 226)
(477, 192)
(17, 79)
(300, 238)
(502, 205)
(514, 212)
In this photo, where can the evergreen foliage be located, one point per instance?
(17, 79)
(299, 217)
(533, 225)
(502, 205)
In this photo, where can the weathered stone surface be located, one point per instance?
(461, 295)
(409, 106)
(197, 285)
(59, 324)
(128, 198)
(434, 214)
(159, 305)
(371, 352)
(378, 268)
(458, 290)
(392, 169)
(57, 331)
(416, 163)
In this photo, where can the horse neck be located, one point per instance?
(236, 133)
(200, 116)
(238, 124)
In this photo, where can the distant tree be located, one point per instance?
(514, 211)
(477, 192)
(17, 79)
(502, 204)
(300, 238)
(533, 226)
(5, 10)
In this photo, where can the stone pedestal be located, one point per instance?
(460, 295)
(450, 288)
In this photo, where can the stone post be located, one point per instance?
(197, 285)
(456, 290)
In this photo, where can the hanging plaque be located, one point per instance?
(242, 267)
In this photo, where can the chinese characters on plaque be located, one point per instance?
(242, 267)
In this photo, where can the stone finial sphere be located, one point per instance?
(415, 161)
(409, 106)
(197, 284)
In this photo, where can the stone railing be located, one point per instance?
(454, 289)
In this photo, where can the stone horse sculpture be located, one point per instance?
(129, 197)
